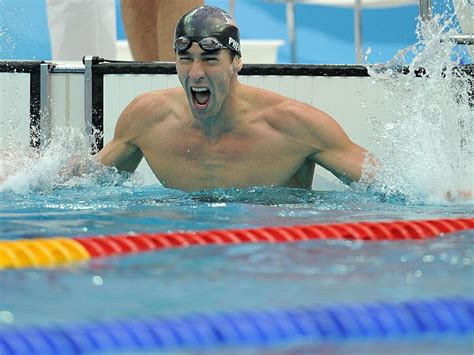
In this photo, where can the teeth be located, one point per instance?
(199, 89)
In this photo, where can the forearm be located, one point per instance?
(123, 156)
(353, 164)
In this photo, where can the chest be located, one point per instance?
(189, 161)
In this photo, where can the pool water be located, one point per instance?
(97, 209)
(215, 278)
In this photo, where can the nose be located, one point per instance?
(196, 73)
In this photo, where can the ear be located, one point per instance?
(237, 63)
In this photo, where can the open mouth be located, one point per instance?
(201, 97)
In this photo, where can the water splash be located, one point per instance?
(427, 143)
(66, 161)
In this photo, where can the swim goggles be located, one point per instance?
(208, 44)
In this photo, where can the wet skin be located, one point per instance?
(216, 132)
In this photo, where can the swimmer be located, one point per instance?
(214, 132)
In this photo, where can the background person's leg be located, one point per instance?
(169, 12)
(150, 24)
(139, 20)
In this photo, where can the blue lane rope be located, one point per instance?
(381, 320)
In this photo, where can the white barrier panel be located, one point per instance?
(14, 109)
(67, 101)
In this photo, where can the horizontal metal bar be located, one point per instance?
(68, 69)
(464, 38)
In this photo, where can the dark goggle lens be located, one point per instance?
(208, 44)
(182, 44)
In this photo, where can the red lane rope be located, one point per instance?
(99, 246)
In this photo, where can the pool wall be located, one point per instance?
(46, 96)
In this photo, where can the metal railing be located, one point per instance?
(426, 12)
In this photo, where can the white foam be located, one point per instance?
(66, 161)
(427, 149)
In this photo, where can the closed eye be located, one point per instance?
(210, 59)
(184, 59)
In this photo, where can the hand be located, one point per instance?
(16, 160)
(459, 195)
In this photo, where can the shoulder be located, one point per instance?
(148, 109)
(153, 104)
(304, 123)
(280, 109)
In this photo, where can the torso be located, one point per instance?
(254, 153)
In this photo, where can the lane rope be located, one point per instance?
(410, 320)
(51, 252)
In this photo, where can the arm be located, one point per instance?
(332, 149)
(338, 154)
(121, 152)
(329, 145)
(352, 163)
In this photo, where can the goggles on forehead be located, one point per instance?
(208, 44)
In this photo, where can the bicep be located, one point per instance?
(120, 154)
(336, 152)
(346, 161)
(324, 141)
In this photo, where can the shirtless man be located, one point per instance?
(216, 132)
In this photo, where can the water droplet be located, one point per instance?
(428, 258)
(97, 280)
(7, 317)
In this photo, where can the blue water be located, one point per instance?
(244, 277)
(96, 209)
